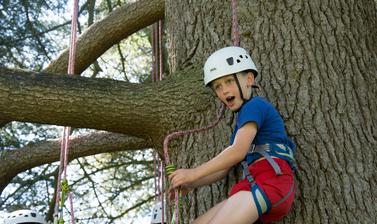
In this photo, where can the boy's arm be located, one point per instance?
(204, 181)
(212, 178)
(223, 161)
(231, 155)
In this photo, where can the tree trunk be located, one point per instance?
(317, 64)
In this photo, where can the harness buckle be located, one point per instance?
(252, 148)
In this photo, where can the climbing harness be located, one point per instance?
(267, 151)
(272, 149)
(62, 184)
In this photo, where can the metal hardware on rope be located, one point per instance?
(63, 185)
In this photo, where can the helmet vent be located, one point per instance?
(238, 60)
(230, 61)
(33, 214)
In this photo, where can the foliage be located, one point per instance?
(27, 33)
(108, 188)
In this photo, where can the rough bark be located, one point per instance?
(141, 110)
(105, 33)
(13, 162)
(317, 62)
(102, 35)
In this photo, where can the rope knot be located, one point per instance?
(65, 186)
(170, 168)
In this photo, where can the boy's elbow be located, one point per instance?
(238, 157)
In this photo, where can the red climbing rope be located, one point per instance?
(64, 150)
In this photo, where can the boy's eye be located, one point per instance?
(229, 81)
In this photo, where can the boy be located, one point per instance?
(267, 191)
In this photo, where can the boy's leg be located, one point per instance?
(238, 209)
(208, 215)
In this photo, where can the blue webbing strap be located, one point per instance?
(268, 150)
(260, 198)
(262, 202)
(272, 162)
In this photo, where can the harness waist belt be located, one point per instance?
(269, 150)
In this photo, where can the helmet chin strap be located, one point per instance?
(239, 88)
(241, 93)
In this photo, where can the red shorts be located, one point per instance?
(275, 187)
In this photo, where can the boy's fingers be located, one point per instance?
(171, 176)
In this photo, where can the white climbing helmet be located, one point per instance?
(227, 61)
(24, 216)
(157, 214)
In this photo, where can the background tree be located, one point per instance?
(317, 61)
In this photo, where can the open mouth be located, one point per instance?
(230, 99)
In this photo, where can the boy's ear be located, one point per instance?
(250, 78)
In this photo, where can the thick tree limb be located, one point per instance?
(105, 33)
(142, 110)
(15, 161)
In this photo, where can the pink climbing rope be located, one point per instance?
(236, 42)
(157, 75)
(161, 64)
(176, 134)
(64, 150)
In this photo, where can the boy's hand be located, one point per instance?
(184, 190)
(182, 177)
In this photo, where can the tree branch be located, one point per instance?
(16, 161)
(105, 33)
(142, 110)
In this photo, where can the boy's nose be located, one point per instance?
(225, 90)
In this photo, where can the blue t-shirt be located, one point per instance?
(270, 124)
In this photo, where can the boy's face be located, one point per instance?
(227, 90)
